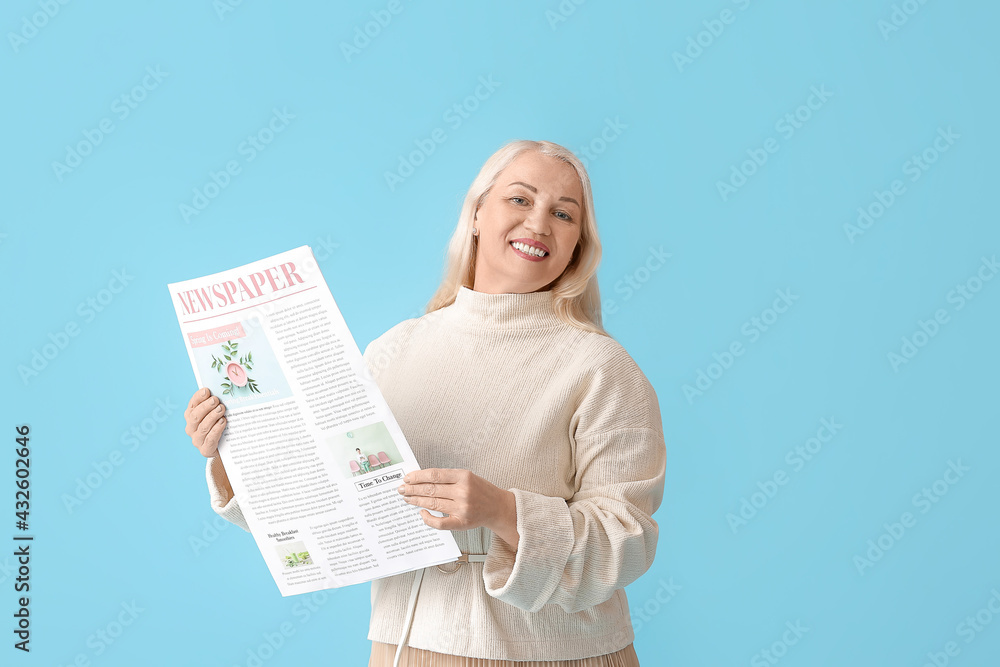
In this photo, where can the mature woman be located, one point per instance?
(539, 437)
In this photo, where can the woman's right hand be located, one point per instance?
(205, 421)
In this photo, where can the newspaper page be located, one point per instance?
(311, 449)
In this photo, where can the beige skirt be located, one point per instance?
(383, 654)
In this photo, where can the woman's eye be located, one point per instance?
(563, 215)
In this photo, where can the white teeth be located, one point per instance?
(529, 250)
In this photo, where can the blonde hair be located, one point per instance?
(575, 293)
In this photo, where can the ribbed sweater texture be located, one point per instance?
(564, 419)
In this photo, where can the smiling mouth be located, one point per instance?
(527, 251)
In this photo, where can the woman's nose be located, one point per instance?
(537, 223)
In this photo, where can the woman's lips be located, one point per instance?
(526, 255)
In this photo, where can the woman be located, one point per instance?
(363, 461)
(539, 437)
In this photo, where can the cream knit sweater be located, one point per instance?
(565, 420)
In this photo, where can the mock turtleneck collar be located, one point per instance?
(530, 310)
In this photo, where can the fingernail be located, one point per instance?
(204, 391)
(400, 488)
(219, 409)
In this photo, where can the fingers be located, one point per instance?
(210, 445)
(439, 475)
(196, 415)
(201, 429)
(437, 504)
(443, 522)
(198, 397)
(428, 490)
(448, 483)
(205, 421)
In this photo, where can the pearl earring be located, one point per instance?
(475, 232)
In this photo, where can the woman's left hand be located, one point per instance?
(469, 501)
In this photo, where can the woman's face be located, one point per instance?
(536, 200)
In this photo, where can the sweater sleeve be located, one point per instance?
(577, 552)
(226, 507)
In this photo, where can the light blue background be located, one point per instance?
(321, 182)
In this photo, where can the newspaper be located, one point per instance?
(311, 449)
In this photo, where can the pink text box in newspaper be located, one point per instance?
(216, 335)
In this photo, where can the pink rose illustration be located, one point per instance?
(236, 373)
